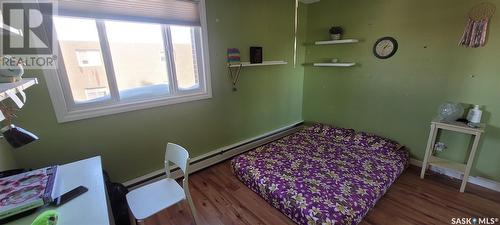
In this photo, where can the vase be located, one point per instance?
(450, 112)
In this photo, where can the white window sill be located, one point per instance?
(128, 106)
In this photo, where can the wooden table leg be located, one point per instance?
(470, 161)
(428, 150)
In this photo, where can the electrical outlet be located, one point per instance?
(439, 147)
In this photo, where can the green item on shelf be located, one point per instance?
(49, 217)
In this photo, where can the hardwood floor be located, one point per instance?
(221, 198)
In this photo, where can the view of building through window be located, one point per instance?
(93, 93)
(137, 52)
(135, 48)
(75, 43)
(185, 57)
(89, 57)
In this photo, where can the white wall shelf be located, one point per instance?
(264, 63)
(336, 42)
(23, 84)
(351, 64)
(235, 69)
(6, 30)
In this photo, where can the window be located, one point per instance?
(110, 66)
(76, 43)
(183, 42)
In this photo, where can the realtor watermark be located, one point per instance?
(475, 220)
(28, 34)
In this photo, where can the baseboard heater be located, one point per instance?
(217, 156)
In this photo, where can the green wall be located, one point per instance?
(396, 97)
(132, 144)
(7, 161)
(399, 96)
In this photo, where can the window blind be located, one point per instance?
(183, 12)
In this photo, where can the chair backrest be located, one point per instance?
(179, 156)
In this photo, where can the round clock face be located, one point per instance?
(385, 47)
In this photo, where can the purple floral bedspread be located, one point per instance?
(323, 174)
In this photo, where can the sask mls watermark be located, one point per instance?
(28, 36)
(474, 220)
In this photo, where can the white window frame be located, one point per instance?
(66, 110)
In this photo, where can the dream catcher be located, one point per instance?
(477, 26)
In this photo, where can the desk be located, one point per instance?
(89, 208)
(463, 168)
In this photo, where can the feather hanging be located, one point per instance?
(476, 29)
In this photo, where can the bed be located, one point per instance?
(323, 174)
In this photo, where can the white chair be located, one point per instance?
(153, 198)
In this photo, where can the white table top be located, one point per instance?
(459, 126)
(88, 208)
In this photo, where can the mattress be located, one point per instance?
(323, 174)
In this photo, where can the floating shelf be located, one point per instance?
(336, 42)
(264, 63)
(23, 84)
(334, 64)
(6, 30)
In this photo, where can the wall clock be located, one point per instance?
(385, 47)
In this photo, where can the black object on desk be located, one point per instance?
(70, 195)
